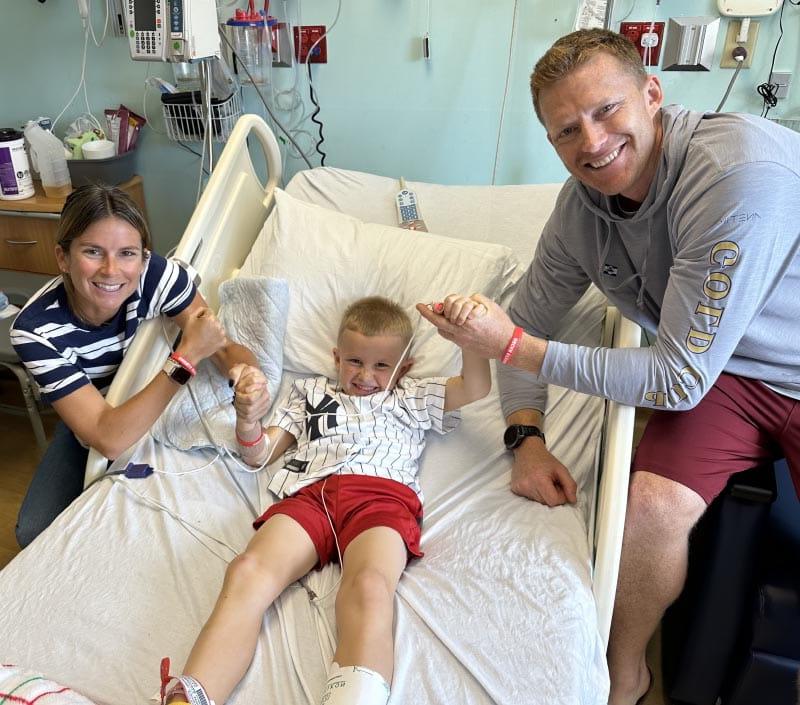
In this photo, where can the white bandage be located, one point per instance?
(355, 685)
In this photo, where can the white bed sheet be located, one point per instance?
(499, 610)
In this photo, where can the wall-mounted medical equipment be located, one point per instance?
(647, 37)
(748, 8)
(172, 30)
(250, 32)
(690, 43)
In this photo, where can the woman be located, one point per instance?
(73, 333)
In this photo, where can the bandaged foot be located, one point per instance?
(355, 685)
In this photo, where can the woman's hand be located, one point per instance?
(203, 335)
(251, 396)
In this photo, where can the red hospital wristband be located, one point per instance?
(512, 346)
(183, 362)
(250, 444)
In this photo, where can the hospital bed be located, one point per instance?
(511, 603)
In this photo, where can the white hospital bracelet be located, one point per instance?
(194, 691)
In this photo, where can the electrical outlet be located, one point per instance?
(641, 36)
(727, 61)
(307, 36)
(781, 79)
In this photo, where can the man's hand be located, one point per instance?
(203, 335)
(538, 475)
(485, 330)
(251, 396)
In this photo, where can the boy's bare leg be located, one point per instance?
(373, 564)
(660, 516)
(279, 553)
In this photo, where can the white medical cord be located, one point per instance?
(628, 14)
(505, 89)
(191, 529)
(105, 23)
(81, 83)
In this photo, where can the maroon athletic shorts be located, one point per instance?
(355, 503)
(738, 424)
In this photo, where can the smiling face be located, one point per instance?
(602, 121)
(103, 265)
(365, 363)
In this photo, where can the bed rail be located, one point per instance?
(613, 486)
(235, 204)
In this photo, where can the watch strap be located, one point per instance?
(176, 372)
(520, 432)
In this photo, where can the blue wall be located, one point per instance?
(385, 109)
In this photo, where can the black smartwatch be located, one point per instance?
(176, 372)
(516, 433)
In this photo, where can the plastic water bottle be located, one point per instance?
(47, 154)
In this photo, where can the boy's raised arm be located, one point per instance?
(256, 444)
(474, 382)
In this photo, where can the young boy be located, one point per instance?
(349, 492)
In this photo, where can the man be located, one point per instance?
(688, 222)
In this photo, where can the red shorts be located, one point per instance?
(355, 503)
(739, 424)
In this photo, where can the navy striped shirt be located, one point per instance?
(64, 353)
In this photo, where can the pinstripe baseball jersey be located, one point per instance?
(371, 435)
(64, 353)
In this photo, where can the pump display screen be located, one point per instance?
(144, 13)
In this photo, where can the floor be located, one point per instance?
(18, 459)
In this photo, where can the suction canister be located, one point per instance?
(252, 40)
(15, 171)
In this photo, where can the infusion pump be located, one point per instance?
(171, 30)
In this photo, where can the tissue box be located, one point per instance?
(112, 171)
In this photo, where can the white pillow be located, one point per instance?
(331, 259)
(253, 312)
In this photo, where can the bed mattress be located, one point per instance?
(499, 610)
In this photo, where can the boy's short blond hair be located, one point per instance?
(376, 315)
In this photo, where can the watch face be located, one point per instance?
(181, 375)
(511, 437)
(176, 372)
(516, 433)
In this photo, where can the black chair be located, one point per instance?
(733, 636)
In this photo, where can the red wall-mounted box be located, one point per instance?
(639, 33)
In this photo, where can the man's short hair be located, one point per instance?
(575, 49)
(376, 315)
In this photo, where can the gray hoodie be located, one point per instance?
(708, 266)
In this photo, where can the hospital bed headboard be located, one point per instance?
(235, 205)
